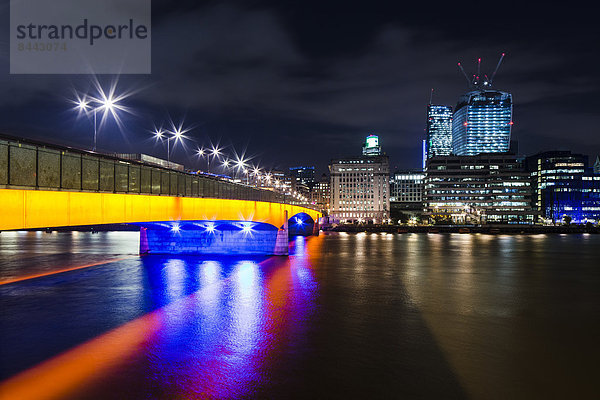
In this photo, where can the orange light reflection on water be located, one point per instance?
(246, 319)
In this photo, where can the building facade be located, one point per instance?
(565, 187)
(406, 189)
(406, 186)
(321, 194)
(303, 175)
(439, 130)
(487, 188)
(360, 189)
(482, 123)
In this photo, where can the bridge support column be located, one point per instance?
(144, 248)
(282, 241)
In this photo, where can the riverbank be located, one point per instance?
(487, 229)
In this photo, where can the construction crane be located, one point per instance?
(476, 82)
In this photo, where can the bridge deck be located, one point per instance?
(51, 186)
(26, 209)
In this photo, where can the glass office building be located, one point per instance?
(565, 187)
(482, 123)
(488, 188)
(439, 130)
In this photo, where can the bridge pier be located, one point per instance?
(282, 241)
(213, 237)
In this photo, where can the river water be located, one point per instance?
(345, 316)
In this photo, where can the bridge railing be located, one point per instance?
(28, 165)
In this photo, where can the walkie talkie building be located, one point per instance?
(482, 123)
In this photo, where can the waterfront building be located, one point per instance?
(360, 187)
(597, 165)
(487, 188)
(406, 186)
(439, 131)
(482, 123)
(564, 187)
(406, 194)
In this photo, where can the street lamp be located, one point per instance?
(83, 106)
(200, 152)
(240, 164)
(159, 134)
(176, 133)
(106, 102)
(215, 153)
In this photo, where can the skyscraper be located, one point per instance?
(482, 123)
(439, 130)
(482, 118)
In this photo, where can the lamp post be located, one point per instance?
(105, 101)
(215, 153)
(225, 164)
(177, 133)
(240, 164)
(200, 152)
(159, 133)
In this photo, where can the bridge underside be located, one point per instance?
(302, 224)
(213, 237)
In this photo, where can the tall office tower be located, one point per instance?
(439, 130)
(482, 123)
(482, 118)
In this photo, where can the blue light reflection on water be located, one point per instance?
(224, 337)
(220, 325)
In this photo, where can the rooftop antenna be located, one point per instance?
(431, 97)
(497, 66)
(478, 68)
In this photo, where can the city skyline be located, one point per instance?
(247, 90)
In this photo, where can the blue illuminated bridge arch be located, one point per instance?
(302, 224)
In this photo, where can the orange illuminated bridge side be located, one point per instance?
(30, 209)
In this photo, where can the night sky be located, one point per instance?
(300, 83)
